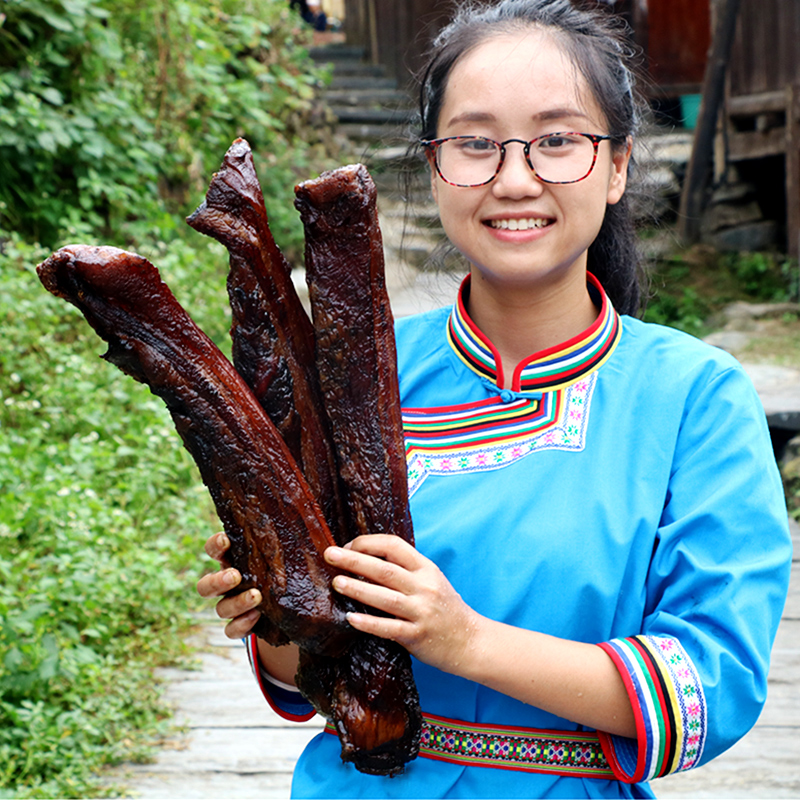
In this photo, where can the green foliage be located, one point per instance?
(675, 303)
(114, 113)
(689, 286)
(102, 519)
(766, 277)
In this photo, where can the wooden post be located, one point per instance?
(374, 48)
(793, 170)
(355, 23)
(694, 187)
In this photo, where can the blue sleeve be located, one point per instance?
(697, 672)
(284, 701)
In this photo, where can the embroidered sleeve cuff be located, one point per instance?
(668, 703)
(284, 700)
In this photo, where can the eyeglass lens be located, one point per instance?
(556, 158)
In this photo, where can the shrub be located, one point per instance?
(102, 519)
(114, 113)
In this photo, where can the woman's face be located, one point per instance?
(520, 86)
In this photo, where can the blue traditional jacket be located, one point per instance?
(623, 493)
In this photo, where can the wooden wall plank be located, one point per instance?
(679, 35)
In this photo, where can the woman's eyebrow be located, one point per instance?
(559, 113)
(542, 116)
(472, 116)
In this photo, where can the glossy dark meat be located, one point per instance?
(356, 355)
(273, 341)
(373, 699)
(276, 528)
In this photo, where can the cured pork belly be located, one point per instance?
(272, 336)
(374, 701)
(276, 528)
(299, 440)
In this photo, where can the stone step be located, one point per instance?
(384, 135)
(388, 97)
(337, 52)
(350, 82)
(372, 116)
(358, 69)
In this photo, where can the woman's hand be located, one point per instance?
(427, 615)
(574, 680)
(240, 609)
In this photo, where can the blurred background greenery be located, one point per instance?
(113, 116)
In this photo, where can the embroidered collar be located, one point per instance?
(547, 370)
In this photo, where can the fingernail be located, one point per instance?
(254, 594)
(222, 542)
(333, 554)
(231, 578)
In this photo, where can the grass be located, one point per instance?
(102, 520)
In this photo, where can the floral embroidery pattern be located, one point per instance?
(492, 434)
(668, 702)
(574, 753)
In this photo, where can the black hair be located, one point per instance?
(596, 42)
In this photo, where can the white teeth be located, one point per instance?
(518, 224)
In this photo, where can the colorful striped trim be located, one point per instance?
(668, 703)
(290, 705)
(492, 434)
(574, 754)
(547, 370)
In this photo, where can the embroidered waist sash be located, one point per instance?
(575, 754)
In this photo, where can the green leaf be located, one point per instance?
(47, 141)
(52, 95)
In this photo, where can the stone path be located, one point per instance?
(234, 745)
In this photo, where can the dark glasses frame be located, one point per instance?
(432, 146)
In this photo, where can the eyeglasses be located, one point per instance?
(468, 161)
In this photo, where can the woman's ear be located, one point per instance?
(619, 173)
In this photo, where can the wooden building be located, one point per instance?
(761, 117)
(760, 121)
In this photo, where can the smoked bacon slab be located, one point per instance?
(374, 703)
(276, 529)
(272, 336)
(356, 353)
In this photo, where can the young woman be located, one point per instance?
(602, 542)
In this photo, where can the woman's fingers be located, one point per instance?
(217, 547)
(390, 562)
(386, 546)
(242, 611)
(390, 601)
(239, 627)
(215, 584)
(385, 627)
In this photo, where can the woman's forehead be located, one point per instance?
(526, 72)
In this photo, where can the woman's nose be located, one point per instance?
(516, 178)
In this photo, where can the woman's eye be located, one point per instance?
(476, 147)
(558, 141)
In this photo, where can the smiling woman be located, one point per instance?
(602, 544)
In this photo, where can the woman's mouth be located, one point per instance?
(519, 224)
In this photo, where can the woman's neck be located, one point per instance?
(522, 321)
